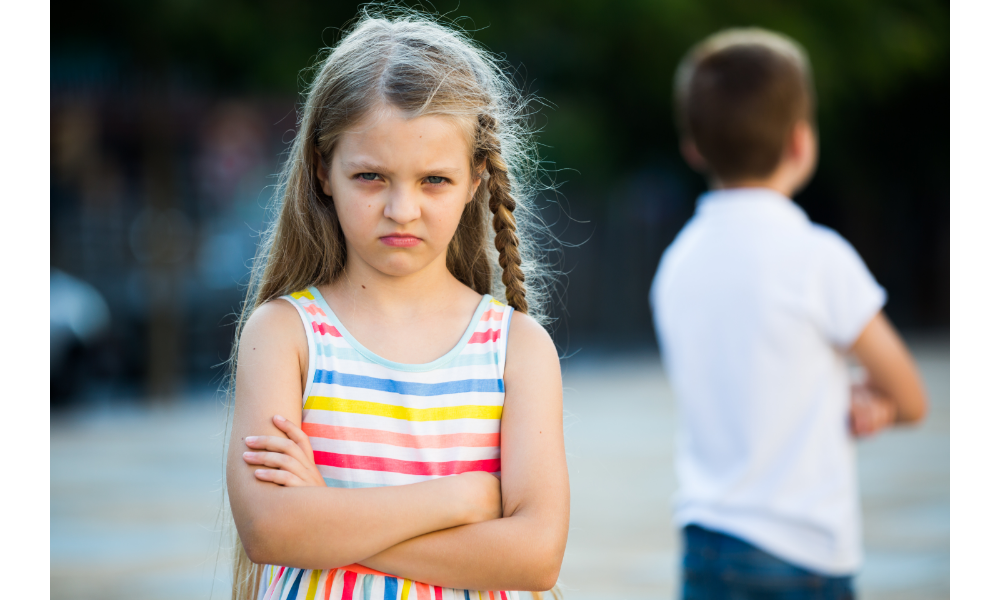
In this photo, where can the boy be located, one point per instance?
(755, 309)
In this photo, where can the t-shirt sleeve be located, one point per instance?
(849, 295)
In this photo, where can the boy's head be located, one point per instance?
(745, 106)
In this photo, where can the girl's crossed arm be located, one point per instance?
(320, 527)
(523, 550)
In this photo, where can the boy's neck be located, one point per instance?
(785, 188)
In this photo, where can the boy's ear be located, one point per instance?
(691, 155)
(323, 174)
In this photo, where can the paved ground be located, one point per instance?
(136, 493)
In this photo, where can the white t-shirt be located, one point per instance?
(754, 308)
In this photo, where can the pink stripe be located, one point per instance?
(503, 595)
(407, 467)
(423, 590)
(492, 314)
(481, 337)
(403, 440)
(314, 310)
(274, 583)
(438, 593)
(349, 578)
(324, 328)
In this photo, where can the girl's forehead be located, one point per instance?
(392, 135)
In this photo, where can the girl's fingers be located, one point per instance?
(274, 443)
(295, 434)
(279, 477)
(278, 461)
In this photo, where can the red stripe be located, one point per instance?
(437, 593)
(481, 337)
(407, 467)
(403, 440)
(503, 595)
(349, 578)
(363, 570)
(324, 328)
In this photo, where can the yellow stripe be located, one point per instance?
(363, 407)
(406, 589)
(302, 294)
(313, 584)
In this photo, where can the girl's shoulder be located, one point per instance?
(277, 323)
(530, 350)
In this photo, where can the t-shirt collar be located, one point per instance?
(756, 200)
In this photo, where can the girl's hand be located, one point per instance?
(870, 412)
(291, 458)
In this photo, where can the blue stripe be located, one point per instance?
(390, 588)
(340, 483)
(462, 360)
(408, 388)
(467, 595)
(295, 586)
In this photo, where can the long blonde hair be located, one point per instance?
(401, 59)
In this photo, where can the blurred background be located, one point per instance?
(169, 119)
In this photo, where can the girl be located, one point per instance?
(376, 361)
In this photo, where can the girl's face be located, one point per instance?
(400, 186)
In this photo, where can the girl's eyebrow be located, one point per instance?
(442, 170)
(365, 166)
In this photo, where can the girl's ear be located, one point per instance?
(323, 174)
(478, 175)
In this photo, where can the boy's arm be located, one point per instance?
(894, 385)
(320, 527)
(523, 550)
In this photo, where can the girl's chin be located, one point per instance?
(399, 265)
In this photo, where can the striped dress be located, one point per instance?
(373, 422)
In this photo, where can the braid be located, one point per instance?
(502, 205)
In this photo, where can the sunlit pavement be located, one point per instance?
(136, 494)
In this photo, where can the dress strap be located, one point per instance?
(313, 321)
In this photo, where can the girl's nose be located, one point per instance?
(402, 206)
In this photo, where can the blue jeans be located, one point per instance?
(721, 567)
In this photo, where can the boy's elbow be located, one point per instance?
(916, 412)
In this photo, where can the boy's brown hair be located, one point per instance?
(739, 93)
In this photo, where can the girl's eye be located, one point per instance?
(434, 179)
(368, 176)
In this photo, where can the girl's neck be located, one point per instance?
(427, 291)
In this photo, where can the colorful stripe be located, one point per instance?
(324, 328)
(481, 337)
(349, 578)
(401, 440)
(403, 413)
(391, 585)
(409, 467)
(314, 310)
(313, 585)
(409, 388)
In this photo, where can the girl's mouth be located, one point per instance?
(400, 240)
